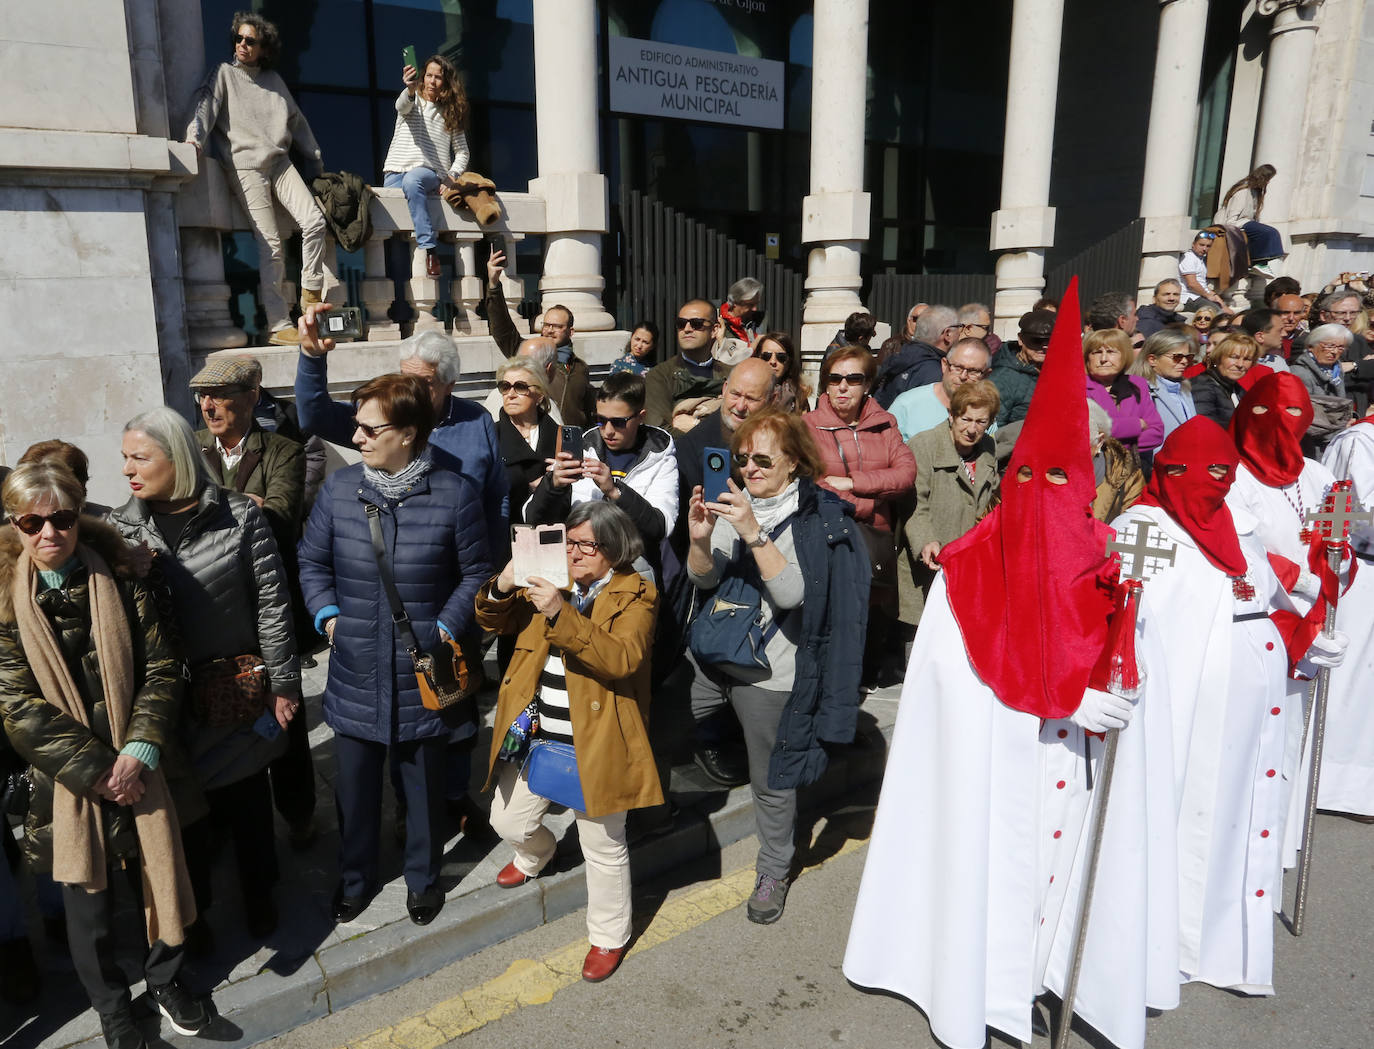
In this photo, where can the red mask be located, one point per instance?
(1029, 586)
(1267, 431)
(1194, 498)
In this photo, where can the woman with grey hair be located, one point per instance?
(228, 600)
(527, 435)
(579, 681)
(742, 312)
(1161, 363)
(1120, 480)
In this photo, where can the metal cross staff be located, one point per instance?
(1149, 553)
(1332, 523)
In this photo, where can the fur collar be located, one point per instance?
(95, 533)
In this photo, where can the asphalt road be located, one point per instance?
(700, 975)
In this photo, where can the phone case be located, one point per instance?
(540, 551)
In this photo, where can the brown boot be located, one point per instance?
(286, 337)
(309, 298)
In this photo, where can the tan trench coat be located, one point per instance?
(607, 661)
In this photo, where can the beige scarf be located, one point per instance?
(78, 829)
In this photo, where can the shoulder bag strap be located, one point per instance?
(398, 613)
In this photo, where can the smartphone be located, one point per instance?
(408, 59)
(540, 550)
(570, 441)
(715, 474)
(495, 242)
(344, 322)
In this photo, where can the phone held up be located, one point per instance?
(408, 58)
(570, 441)
(540, 551)
(715, 474)
(344, 322)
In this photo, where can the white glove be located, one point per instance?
(1329, 651)
(1101, 711)
(1308, 585)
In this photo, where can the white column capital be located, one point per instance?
(1015, 229)
(835, 216)
(1273, 7)
(573, 201)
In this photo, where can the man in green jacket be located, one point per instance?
(1017, 366)
(270, 470)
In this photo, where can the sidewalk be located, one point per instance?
(310, 967)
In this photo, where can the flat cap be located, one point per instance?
(228, 371)
(1037, 324)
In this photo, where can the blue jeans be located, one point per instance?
(418, 184)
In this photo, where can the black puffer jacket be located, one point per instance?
(229, 592)
(56, 746)
(344, 199)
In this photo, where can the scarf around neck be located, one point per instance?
(393, 486)
(79, 857)
(775, 509)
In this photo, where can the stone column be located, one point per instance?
(835, 214)
(1170, 141)
(570, 179)
(1292, 38)
(1023, 228)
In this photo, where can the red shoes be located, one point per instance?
(432, 263)
(601, 962)
(509, 876)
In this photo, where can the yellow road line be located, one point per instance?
(530, 981)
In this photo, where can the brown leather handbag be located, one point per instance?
(230, 691)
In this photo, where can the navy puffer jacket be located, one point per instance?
(436, 536)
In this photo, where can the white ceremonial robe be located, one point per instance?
(1227, 693)
(1279, 514)
(969, 899)
(1347, 783)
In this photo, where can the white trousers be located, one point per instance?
(259, 191)
(517, 814)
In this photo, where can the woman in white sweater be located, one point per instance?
(428, 147)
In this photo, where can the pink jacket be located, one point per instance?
(875, 456)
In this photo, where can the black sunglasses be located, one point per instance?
(518, 386)
(247, 41)
(32, 524)
(853, 378)
(695, 323)
(372, 431)
(780, 355)
(618, 421)
(763, 462)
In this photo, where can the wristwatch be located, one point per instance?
(759, 540)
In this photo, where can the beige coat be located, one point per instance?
(607, 661)
(948, 504)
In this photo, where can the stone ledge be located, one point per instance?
(92, 151)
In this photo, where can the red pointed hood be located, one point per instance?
(1268, 425)
(1030, 586)
(1194, 498)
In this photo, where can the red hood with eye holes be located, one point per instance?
(1031, 586)
(1270, 441)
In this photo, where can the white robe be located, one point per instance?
(1278, 524)
(1347, 783)
(1226, 687)
(969, 899)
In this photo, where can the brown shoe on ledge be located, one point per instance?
(509, 876)
(601, 962)
(309, 298)
(286, 337)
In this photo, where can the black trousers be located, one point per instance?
(358, 794)
(293, 774)
(244, 810)
(108, 938)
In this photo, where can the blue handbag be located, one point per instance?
(728, 631)
(551, 772)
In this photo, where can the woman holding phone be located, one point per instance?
(429, 147)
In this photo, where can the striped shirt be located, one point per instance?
(555, 719)
(422, 141)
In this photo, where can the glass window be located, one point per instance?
(343, 127)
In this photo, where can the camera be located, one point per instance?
(715, 462)
(343, 323)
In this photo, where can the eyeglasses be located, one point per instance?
(1337, 347)
(763, 462)
(32, 524)
(246, 41)
(695, 323)
(582, 546)
(852, 378)
(1177, 358)
(518, 386)
(781, 356)
(966, 373)
(618, 421)
(975, 324)
(1344, 315)
(372, 431)
(218, 394)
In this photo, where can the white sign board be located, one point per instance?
(666, 80)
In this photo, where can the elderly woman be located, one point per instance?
(1321, 366)
(1217, 391)
(799, 547)
(402, 508)
(580, 677)
(790, 393)
(1162, 361)
(1116, 468)
(89, 695)
(1126, 398)
(866, 462)
(1204, 320)
(956, 480)
(227, 589)
(527, 435)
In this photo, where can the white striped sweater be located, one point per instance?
(422, 141)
